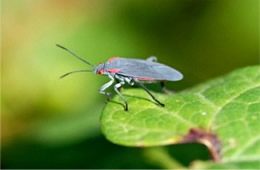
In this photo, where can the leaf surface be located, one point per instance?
(228, 106)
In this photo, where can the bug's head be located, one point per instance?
(99, 69)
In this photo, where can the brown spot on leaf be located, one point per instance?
(207, 138)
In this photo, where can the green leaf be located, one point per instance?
(239, 164)
(228, 107)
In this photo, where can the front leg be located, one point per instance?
(105, 86)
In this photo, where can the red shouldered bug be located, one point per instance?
(131, 71)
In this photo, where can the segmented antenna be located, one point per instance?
(75, 55)
(65, 75)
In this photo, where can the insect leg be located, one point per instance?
(129, 81)
(118, 80)
(149, 93)
(105, 86)
(118, 85)
(164, 89)
(152, 58)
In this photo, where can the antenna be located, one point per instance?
(75, 55)
(65, 75)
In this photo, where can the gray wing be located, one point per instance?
(146, 70)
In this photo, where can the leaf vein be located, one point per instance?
(215, 114)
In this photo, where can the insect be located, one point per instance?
(131, 71)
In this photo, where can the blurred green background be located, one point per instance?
(47, 122)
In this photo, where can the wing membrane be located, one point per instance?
(145, 70)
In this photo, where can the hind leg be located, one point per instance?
(157, 101)
(152, 58)
(164, 89)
